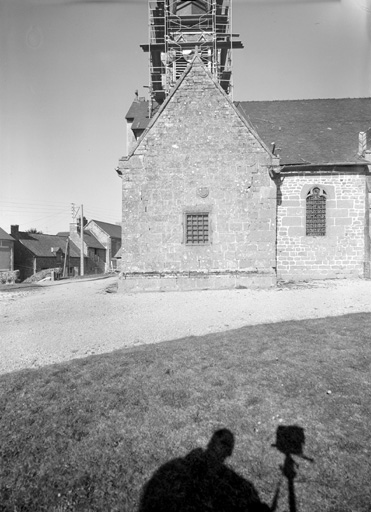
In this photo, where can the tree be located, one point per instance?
(78, 221)
(34, 231)
(84, 220)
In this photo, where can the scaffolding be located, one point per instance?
(179, 28)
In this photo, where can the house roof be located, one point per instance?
(311, 131)
(41, 245)
(74, 251)
(4, 235)
(113, 230)
(136, 108)
(315, 131)
(139, 113)
(91, 241)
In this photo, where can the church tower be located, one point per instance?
(179, 28)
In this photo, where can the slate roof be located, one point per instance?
(139, 113)
(41, 245)
(315, 131)
(113, 230)
(74, 251)
(311, 131)
(118, 254)
(91, 241)
(4, 235)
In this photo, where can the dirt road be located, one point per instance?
(68, 319)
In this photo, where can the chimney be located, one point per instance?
(14, 230)
(73, 230)
(364, 144)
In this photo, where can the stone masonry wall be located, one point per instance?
(43, 263)
(198, 143)
(23, 260)
(6, 255)
(343, 251)
(105, 240)
(8, 276)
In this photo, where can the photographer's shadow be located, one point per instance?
(201, 482)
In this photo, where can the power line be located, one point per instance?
(31, 210)
(29, 201)
(40, 215)
(103, 212)
(22, 207)
(31, 213)
(53, 215)
(103, 218)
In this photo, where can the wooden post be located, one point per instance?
(12, 256)
(65, 258)
(82, 241)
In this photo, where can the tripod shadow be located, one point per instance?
(201, 482)
(290, 440)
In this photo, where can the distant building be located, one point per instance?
(109, 236)
(102, 240)
(34, 252)
(6, 251)
(94, 251)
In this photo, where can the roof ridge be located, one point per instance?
(302, 99)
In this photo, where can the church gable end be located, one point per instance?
(198, 203)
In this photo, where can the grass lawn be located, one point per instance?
(86, 435)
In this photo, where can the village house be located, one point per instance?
(94, 251)
(6, 251)
(7, 272)
(30, 253)
(109, 236)
(219, 194)
(34, 252)
(102, 240)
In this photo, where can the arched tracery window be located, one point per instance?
(316, 212)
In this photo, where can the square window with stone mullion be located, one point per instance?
(197, 228)
(316, 215)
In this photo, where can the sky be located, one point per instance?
(69, 70)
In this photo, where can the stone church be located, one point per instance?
(223, 194)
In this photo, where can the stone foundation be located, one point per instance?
(186, 281)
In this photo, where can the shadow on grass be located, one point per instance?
(290, 440)
(86, 435)
(201, 481)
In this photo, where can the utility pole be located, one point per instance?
(82, 241)
(74, 215)
(65, 259)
